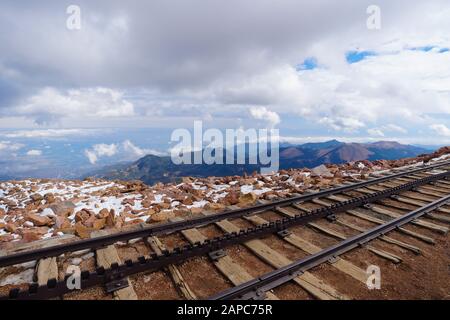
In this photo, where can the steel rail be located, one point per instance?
(257, 287)
(102, 241)
(118, 272)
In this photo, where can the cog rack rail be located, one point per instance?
(103, 241)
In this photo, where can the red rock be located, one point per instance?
(36, 197)
(163, 205)
(69, 230)
(187, 201)
(231, 198)
(82, 231)
(82, 215)
(118, 222)
(132, 222)
(128, 201)
(246, 199)
(6, 238)
(214, 206)
(62, 223)
(99, 224)
(161, 216)
(196, 211)
(39, 220)
(111, 218)
(38, 230)
(146, 203)
(64, 208)
(270, 197)
(49, 198)
(10, 227)
(103, 214)
(31, 236)
(90, 221)
(321, 171)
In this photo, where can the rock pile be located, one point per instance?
(41, 208)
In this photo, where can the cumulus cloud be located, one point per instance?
(123, 151)
(375, 132)
(342, 123)
(91, 155)
(10, 146)
(394, 128)
(34, 153)
(152, 71)
(50, 104)
(100, 150)
(134, 151)
(105, 149)
(441, 129)
(261, 113)
(49, 133)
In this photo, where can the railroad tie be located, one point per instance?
(364, 190)
(312, 284)
(419, 222)
(46, 269)
(418, 203)
(376, 188)
(370, 218)
(384, 238)
(429, 192)
(339, 198)
(235, 273)
(384, 254)
(181, 285)
(105, 258)
(432, 188)
(340, 264)
(390, 240)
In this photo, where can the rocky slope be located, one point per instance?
(152, 169)
(38, 209)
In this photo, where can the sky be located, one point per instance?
(114, 89)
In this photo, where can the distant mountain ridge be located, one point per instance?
(152, 169)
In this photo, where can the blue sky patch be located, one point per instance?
(429, 48)
(308, 64)
(356, 56)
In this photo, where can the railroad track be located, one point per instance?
(388, 203)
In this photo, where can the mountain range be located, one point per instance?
(152, 169)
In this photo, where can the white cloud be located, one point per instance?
(261, 113)
(50, 104)
(129, 47)
(100, 150)
(441, 129)
(34, 153)
(375, 132)
(394, 128)
(342, 123)
(124, 151)
(134, 151)
(107, 150)
(50, 133)
(91, 155)
(10, 146)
